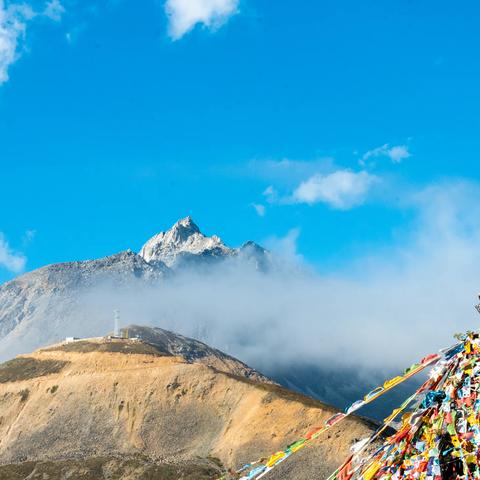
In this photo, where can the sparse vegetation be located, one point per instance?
(25, 368)
(216, 461)
(54, 389)
(24, 394)
(125, 347)
(289, 395)
(275, 390)
(101, 468)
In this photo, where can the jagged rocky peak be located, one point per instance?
(186, 225)
(182, 241)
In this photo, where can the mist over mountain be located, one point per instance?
(327, 336)
(57, 300)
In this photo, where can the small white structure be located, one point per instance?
(116, 319)
(71, 339)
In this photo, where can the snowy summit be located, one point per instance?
(183, 240)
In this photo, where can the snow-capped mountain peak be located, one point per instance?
(183, 240)
(186, 226)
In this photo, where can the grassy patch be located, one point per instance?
(25, 368)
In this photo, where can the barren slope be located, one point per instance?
(101, 400)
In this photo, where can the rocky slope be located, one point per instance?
(145, 409)
(49, 286)
(45, 305)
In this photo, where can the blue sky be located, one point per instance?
(323, 119)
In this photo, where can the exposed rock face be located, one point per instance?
(40, 302)
(181, 242)
(42, 306)
(185, 244)
(193, 351)
(174, 402)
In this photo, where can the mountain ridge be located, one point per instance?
(184, 242)
(44, 299)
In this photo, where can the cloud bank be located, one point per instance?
(379, 314)
(335, 335)
(183, 15)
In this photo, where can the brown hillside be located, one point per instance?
(96, 406)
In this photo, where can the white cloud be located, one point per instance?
(270, 194)
(14, 20)
(28, 237)
(12, 31)
(342, 189)
(396, 153)
(314, 181)
(383, 310)
(54, 10)
(260, 209)
(183, 15)
(286, 248)
(14, 262)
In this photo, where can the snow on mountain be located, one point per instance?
(182, 241)
(184, 244)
